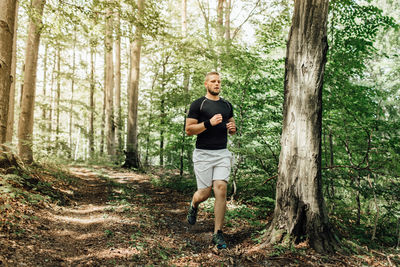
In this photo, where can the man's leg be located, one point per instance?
(201, 195)
(220, 187)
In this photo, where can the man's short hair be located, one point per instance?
(211, 73)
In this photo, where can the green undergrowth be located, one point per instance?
(25, 187)
(172, 180)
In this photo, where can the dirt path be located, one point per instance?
(118, 218)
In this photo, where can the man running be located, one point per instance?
(210, 118)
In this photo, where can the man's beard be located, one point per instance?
(212, 92)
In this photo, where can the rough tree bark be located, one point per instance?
(25, 123)
(300, 212)
(132, 150)
(109, 83)
(7, 21)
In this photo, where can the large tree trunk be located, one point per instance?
(7, 21)
(118, 129)
(25, 123)
(109, 84)
(300, 209)
(11, 106)
(132, 150)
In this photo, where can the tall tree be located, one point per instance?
(186, 79)
(7, 21)
(25, 123)
(118, 128)
(228, 5)
(132, 149)
(11, 106)
(71, 104)
(220, 18)
(58, 94)
(300, 209)
(109, 83)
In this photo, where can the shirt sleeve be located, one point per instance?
(231, 112)
(194, 111)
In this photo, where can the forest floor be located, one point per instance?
(116, 217)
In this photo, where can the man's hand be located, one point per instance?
(216, 119)
(231, 126)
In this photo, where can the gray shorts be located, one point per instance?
(211, 165)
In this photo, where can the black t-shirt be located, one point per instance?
(202, 109)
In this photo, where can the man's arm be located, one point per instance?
(193, 126)
(231, 126)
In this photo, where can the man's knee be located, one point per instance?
(220, 188)
(204, 193)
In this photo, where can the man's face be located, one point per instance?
(213, 84)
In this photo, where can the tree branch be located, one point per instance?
(248, 17)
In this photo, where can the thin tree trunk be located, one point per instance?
(92, 104)
(186, 79)
(58, 96)
(25, 123)
(162, 110)
(52, 92)
(228, 20)
(150, 118)
(11, 106)
(71, 106)
(300, 211)
(132, 149)
(46, 49)
(118, 129)
(103, 115)
(220, 19)
(109, 83)
(7, 29)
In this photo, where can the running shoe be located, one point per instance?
(218, 240)
(192, 215)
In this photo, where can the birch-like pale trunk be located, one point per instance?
(25, 122)
(11, 105)
(109, 83)
(300, 210)
(132, 149)
(7, 22)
